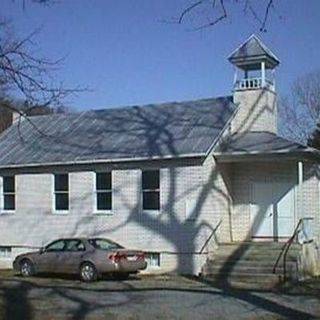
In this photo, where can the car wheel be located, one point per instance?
(88, 272)
(26, 268)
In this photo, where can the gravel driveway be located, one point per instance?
(162, 297)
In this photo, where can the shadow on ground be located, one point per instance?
(140, 297)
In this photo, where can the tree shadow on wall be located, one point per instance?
(186, 236)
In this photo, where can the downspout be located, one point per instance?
(300, 190)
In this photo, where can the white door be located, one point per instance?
(272, 209)
(284, 210)
(261, 209)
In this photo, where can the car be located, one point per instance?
(90, 258)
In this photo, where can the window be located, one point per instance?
(8, 193)
(61, 192)
(103, 191)
(152, 259)
(104, 244)
(74, 245)
(151, 190)
(5, 252)
(55, 246)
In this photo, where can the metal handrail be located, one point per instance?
(211, 235)
(285, 249)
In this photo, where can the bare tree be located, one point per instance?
(207, 13)
(27, 75)
(300, 111)
(314, 139)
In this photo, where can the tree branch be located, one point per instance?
(27, 74)
(247, 6)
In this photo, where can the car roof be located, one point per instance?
(81, 238)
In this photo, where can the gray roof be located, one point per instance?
(251, 52)
(166, 130)
(259, 143)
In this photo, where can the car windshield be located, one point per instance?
(104, 244)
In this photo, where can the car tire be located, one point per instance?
(88, 272)
(26, 268)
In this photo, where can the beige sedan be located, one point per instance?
(90, 258)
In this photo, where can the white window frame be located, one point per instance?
(54, 209)
(95, 195)
(155, 211)
(159, 260)
(2, 195)
(6, 257)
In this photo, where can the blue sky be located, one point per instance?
(127, 56)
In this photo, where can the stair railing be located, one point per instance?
(211, 235)
(285, 249)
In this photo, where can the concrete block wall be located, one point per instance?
(194, 199)
(310, 202)
(243, 175)
(257, 111)
(192, 202)
(218, 204)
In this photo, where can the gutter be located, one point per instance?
(267, 156)
(97, 161)
(284, 151)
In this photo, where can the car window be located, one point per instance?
(104, 244)
(74, 245)
(55, 246)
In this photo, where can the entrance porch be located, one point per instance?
(272, 184)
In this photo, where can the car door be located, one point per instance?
(47, 259)
(69, 260)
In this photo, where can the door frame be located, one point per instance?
(251, 194)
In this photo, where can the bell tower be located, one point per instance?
(254, 87)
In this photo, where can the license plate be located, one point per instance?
(132, 258)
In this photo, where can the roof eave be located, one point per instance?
(101, 161)
(246, 62)
(268, 52)
(278, 155)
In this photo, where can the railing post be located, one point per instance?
(263, 74)
(253, 83)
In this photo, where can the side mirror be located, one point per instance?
(42, 250)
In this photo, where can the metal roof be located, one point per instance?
(166, 130)
(260, 143)
(253, 50)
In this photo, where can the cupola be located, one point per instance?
(254, 88)
(257, 62)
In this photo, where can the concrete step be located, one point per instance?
(255, 249)
(249, 263)
(269, 244)
(272, 257)
(216, 269)
(246, 276)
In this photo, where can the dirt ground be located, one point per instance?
(146, 297)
